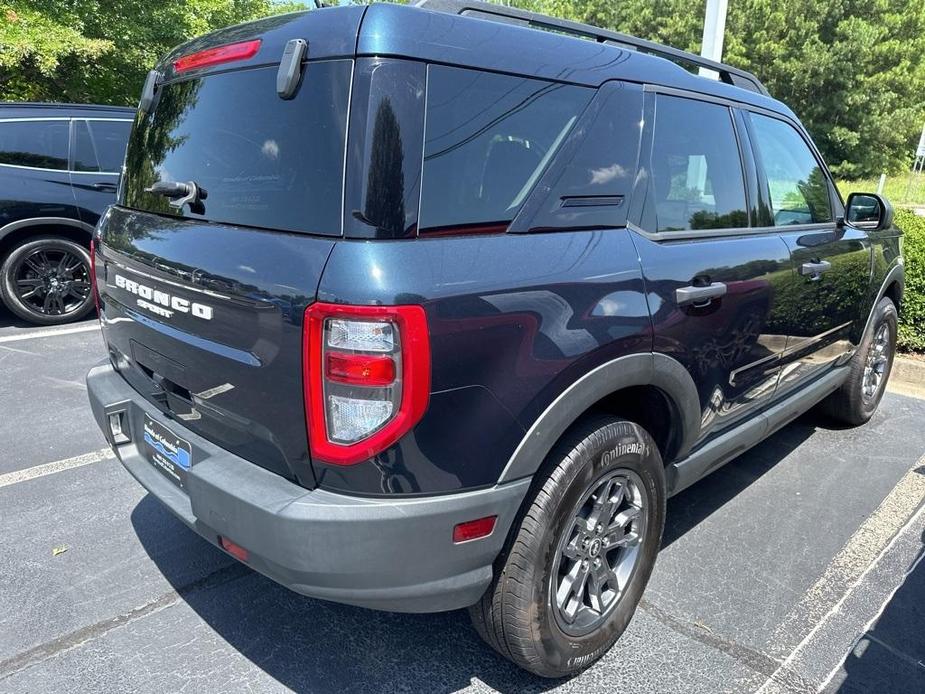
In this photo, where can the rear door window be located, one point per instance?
(488, 138)
(696, 167)
(99, 145)
(262, 160)
(797, 186)
(40, 144)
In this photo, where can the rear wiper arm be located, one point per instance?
(181, 193)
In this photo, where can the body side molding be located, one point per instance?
(645, 369)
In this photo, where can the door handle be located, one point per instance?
(105, 187)
(699, 296)
(814, 270)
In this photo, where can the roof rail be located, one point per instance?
(511, 15)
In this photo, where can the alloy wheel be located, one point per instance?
(52, 282)
(875, 366)
(598, 552)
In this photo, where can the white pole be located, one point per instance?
(714, 28)
(881, 184)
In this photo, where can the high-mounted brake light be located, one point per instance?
(218, 55)
(366, 378)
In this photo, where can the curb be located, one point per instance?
(908, 376)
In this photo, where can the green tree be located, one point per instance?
(100, 50)
(853, 71)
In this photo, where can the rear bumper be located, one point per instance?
(390, 554)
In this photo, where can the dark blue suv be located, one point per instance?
(59, 169)
(421, 308)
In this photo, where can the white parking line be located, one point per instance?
(50, 332)
(870, 623)
(31, 473)
(777, 682)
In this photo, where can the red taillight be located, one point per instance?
(366, 378)
(93, 287)
(359, 369)
(474, 529)
(237, 551)
(218, 55)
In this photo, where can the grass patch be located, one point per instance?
(897, 189)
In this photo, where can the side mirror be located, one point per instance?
(869, 211)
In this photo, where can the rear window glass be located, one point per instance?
(40, 144)
(262, 160)
(488, 137)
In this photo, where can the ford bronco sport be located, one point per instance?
(422, 308)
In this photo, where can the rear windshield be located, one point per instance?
(262, 160)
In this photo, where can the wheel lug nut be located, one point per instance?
(600, 529)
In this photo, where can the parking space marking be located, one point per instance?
(780, 679)
(867, 628)
(857, 555)
(32, 473)
(51, 332)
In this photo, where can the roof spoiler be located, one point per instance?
(510, 15)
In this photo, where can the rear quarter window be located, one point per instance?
(263, 161)
(487, 140)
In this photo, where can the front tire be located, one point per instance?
(575, 568)
(858, 397)
(46, 281)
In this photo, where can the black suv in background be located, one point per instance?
(59, 169)
(420, 310)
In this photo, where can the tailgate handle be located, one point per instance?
(290, 68)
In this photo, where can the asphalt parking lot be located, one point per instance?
(791, 569)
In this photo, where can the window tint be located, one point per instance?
(84, 152)
(799, 192)
(40, 144)
(590, 185)
(99, 145)
(696, 168)
(264, 161)
(487, 139)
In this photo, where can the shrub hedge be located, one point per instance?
(912, 316)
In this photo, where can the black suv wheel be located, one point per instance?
(576, 566)
(868, 371)
(47, 281)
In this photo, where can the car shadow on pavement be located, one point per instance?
(313, 645)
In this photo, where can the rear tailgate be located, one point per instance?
(202, 306)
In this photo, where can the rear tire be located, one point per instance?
(46, 281)
(597, 511)
(857, 398)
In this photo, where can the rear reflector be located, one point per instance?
(237, 551)
(474, 529)
(218, 55)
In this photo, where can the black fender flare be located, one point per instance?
(897, 273)
(646, 369)
(7, 229)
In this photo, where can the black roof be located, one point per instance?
(509, 41)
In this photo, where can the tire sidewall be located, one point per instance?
(623, 445)
(8, 291)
